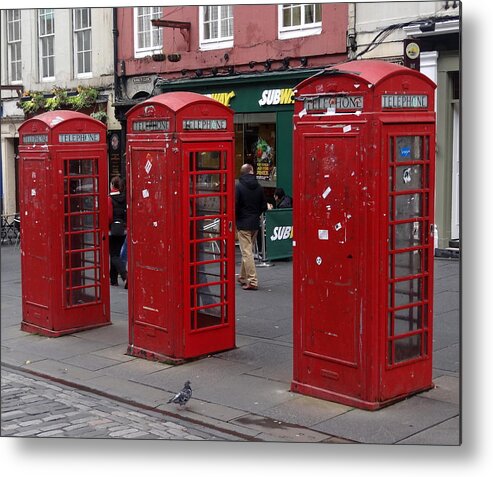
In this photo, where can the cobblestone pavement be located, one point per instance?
(36, 407)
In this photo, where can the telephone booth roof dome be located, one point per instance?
(177, 100)
(53, 118)
(371, 71)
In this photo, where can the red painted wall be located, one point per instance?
(255, 39)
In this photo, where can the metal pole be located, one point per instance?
(263, 262)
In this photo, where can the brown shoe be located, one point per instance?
(249, 287)
(241, 281)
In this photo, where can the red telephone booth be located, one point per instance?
(363, 257)
(180, 241)
(63, 219)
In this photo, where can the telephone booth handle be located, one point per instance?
(230, 225)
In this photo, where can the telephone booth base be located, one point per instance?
(39, 330)
(137, 352)
(352, 401)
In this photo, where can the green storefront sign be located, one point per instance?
(278, 234)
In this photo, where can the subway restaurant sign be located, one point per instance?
(272, 97)
(268, 97)
(278, 234)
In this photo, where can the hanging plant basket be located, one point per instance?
(83, 100)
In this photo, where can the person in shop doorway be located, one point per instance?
(250, 204)
(117, 214)
(282, 200)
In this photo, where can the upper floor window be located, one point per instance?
(216, 27)
(148, 38)
(299, 19)
(46, 32)
(82, 42)
(14, 45)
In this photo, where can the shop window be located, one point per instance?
(256, 145)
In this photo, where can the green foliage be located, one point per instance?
(85, 98)
(35, 100)
(100, 116)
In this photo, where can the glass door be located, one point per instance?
(210, 232)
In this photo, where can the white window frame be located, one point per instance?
(42, 35)
(152, 13)
(14, 42)
(297, 31)
(82, 30)
(221, 41)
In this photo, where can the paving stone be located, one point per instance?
(446, 434)
(53, 433)
(281, 431)
(391, 424)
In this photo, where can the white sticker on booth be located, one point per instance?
(326, 192)
(148, 166)
(145, 193)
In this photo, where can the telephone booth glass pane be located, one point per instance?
(207, 191)
(408, 264)
(82, 234)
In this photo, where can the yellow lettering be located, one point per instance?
(287, 96)
(223, 98)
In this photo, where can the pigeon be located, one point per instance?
(183, 396)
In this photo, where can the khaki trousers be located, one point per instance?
(248, 272)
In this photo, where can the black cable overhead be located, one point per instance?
(382, 35)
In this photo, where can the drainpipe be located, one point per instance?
(115, 55)
(118, 92)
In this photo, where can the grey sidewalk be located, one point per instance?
(244, 392)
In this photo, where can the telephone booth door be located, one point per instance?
(63, 210)
(180, 219)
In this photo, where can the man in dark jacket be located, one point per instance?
(250, 204)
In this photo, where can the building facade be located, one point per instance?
(249, 57)
(48, 51)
